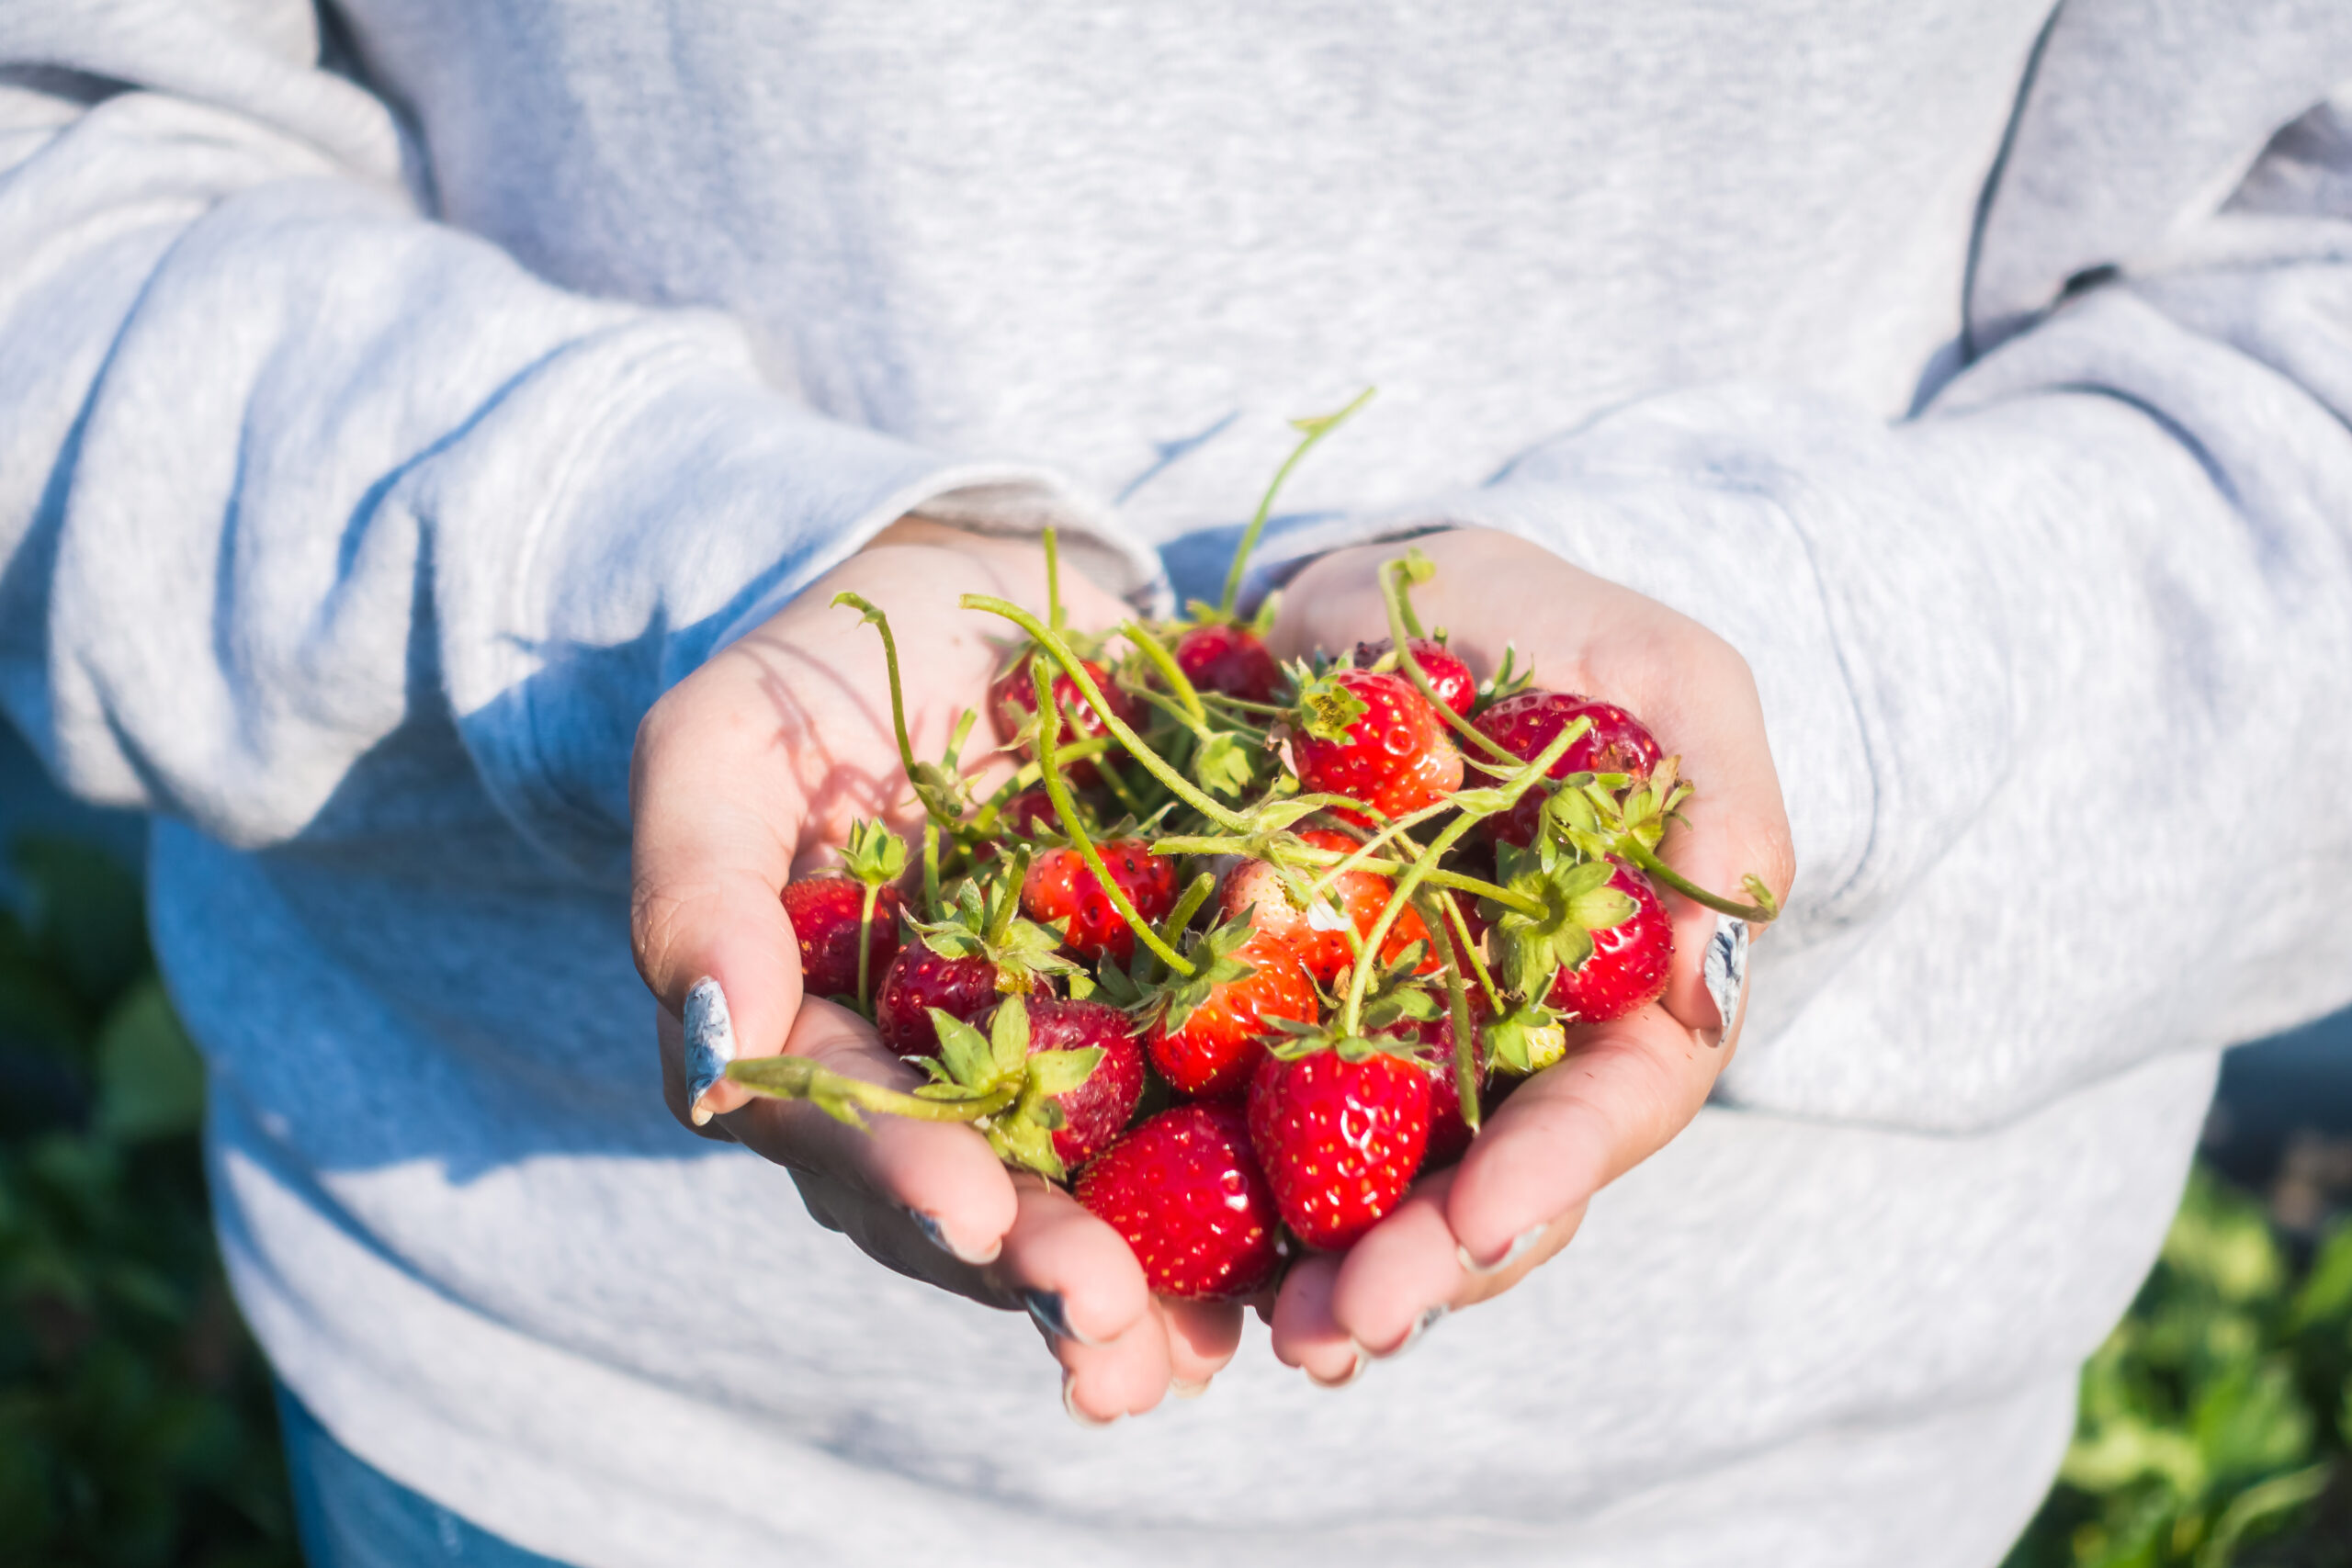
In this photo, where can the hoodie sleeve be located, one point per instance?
(2058, 671)
(291, 476)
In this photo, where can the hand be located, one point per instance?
(1625, 1088)
(750, 771)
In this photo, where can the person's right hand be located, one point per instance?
(750, 771)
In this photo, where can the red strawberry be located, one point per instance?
(1097, 1111)
(1448, 1134)
(1525, 724)
(1221, 1022)
(1448, 676)
(824, 911)
(1013, 699)
(1629, 961)
(1317, 935)
(920, 980)
(1228, 658)
(1030, 814)
(1369, 735)
(1340, 1139)
(1185, 1193)
(1060, 886)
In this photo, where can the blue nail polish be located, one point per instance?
(1052, 1314)
(710, 1043)
(1724, 969)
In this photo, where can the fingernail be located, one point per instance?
(1069, 1403)
(1724, 969)
(1354, 1372)
(937, 1233)
(1511, 1254)
(1183, 1390)
(1421, 1326)
(710, 1044)
(1046, 1308)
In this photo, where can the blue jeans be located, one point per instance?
(351, 1514)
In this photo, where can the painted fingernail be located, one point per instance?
(1511, 1254)
(1069, 1403)
(1354, 1372)
(1724, 969)
(1183, 1390)
(1052, 1315)
(710, 1044)
(1421, 1326)
(937, 1233)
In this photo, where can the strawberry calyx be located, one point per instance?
(1526, 1040)
(998, 1070)
(1576, 900)
(982, 918)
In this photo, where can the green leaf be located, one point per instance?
(1009, 1036)
(150, 1081)
(1222, 766)
(1059, 1072)
(1601, 908)
(969, 1059)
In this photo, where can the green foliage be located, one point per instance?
(2214, 1420)
(135, 1418)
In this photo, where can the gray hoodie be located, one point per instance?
(390, 410)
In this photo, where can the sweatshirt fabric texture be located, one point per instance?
(394, 403)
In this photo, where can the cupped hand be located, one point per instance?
(1625, 1088)
(750, 771)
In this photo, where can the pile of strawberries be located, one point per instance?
(1241, 949)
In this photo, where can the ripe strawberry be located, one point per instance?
(824, 911)
(1013, 699)
(1228, 658)
(1097, 1111)
(919, 980)
(1629, 961)
(1340, 1139)
(1317, 935)
(1449, 677)
(1060, 888)
(1208, 1038)
(1185, 1193)
(1525, 724)
(1369, 735)
(1030, 814)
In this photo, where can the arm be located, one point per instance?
(290, 470)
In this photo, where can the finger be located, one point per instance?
(1074, 1274)
(943, 1176)
(1201, 1339)
(1405, 1274)
(1306, 1335)
(1624, 1089)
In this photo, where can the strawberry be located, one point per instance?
(1206, 1037)
(1317, 936)
(1096, 1111)
(1062, 892)
(1339, 1138)
(1013, 699)
(1369, 735)
(1185, 1193)
(919, 980)
(1232, 660)
(1448, 676)
(1525, 724)
(1627, 966)
(1030, 814)
(824, 911)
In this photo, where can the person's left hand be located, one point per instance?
(1625, 1088)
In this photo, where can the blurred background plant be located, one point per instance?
(136, 1424)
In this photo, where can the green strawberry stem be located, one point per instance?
(1315, 429)
(1054, 617)
(1008, 908)
(1049, 713)
(1187, 907)
(1195, 717)
(1153, 762)
(881, 623)
(1454, 881)
(1766, 907)
(841, 1097)
(1402, 629)
(1415, 874)
(866, 951)
(1470, 951)
(931, 870)
(1457, 1005)
(1243, 704)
